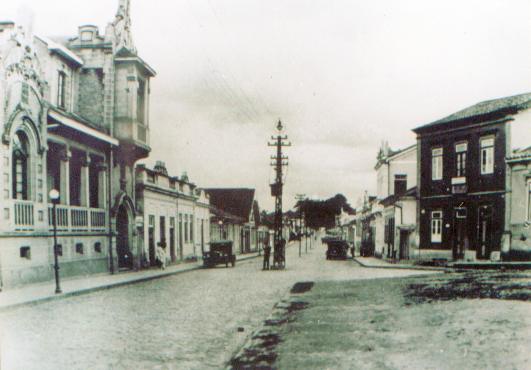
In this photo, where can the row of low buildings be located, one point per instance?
(74, 117)
(462, 192)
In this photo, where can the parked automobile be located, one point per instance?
(337, 249)
(220, 253)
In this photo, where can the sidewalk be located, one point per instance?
(43, 292)
(373, 262)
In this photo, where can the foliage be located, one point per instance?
(322, 213)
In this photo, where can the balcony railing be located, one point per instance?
(24, 215)
(71, 218)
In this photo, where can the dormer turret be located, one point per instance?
(88, 33)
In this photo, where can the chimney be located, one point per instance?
(160, 167)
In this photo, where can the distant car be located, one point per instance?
(220, 253)
(336, 249)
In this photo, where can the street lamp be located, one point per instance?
(54, 197)
(220, 223)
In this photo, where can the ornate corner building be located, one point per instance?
(73, 117)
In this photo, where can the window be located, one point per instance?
(79, 248)
(460, 155)
(191, 228)
(436, 226)
(487, 155)
(400, 184)
(162, 230)
(97, 247)
(141, 101)
(186, 228)
(59, 250)
(436, 164)
(25, 252)
(86, 36)
(61, 90)
(20, 165)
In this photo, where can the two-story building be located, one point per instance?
(396, 191)
(74, 118)
(175, 212)
(463, 178)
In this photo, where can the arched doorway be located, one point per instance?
(125, 257)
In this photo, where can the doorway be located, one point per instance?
(460, 233)
(484, 232)
(125, 257)
(404, 245)
(151, 240)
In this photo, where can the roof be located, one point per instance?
(236, 201)
(225, 216)
(520, 155)
(61, 50)
(385, 158)
(489, 109)
(393, 198)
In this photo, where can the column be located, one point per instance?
(102, 185)
(64, 171)
(85, 184)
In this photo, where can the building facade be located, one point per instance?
(175, 213)
(463, 181)
(397, 194)
(238, 202)
(74, 118)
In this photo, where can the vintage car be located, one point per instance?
(337, 249)
(220, 253)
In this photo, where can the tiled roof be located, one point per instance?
(221, 215)
(238, 202)
(501, 107)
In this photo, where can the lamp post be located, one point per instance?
(220, 223)
(54, 197)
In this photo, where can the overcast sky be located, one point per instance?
(342, 76)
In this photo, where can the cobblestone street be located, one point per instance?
(187, 321)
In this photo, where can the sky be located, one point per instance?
(341, 75)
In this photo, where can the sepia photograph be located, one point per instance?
(251, 184)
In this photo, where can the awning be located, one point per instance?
(78, 126)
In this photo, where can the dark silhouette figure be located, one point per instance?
(267, 254)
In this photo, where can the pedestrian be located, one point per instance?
(161, 255)
(267, 254)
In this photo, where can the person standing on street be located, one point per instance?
(267, 253)
(161, 255)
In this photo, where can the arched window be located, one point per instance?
(20, 164)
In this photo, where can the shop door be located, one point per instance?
(485, 232)
(460, 233)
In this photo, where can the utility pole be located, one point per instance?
(279, 162)
(300, 198)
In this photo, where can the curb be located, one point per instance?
(402, 267)
(107, 286)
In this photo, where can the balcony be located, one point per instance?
(133, 136)
(78, 219)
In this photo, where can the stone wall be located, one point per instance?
(90, 102)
